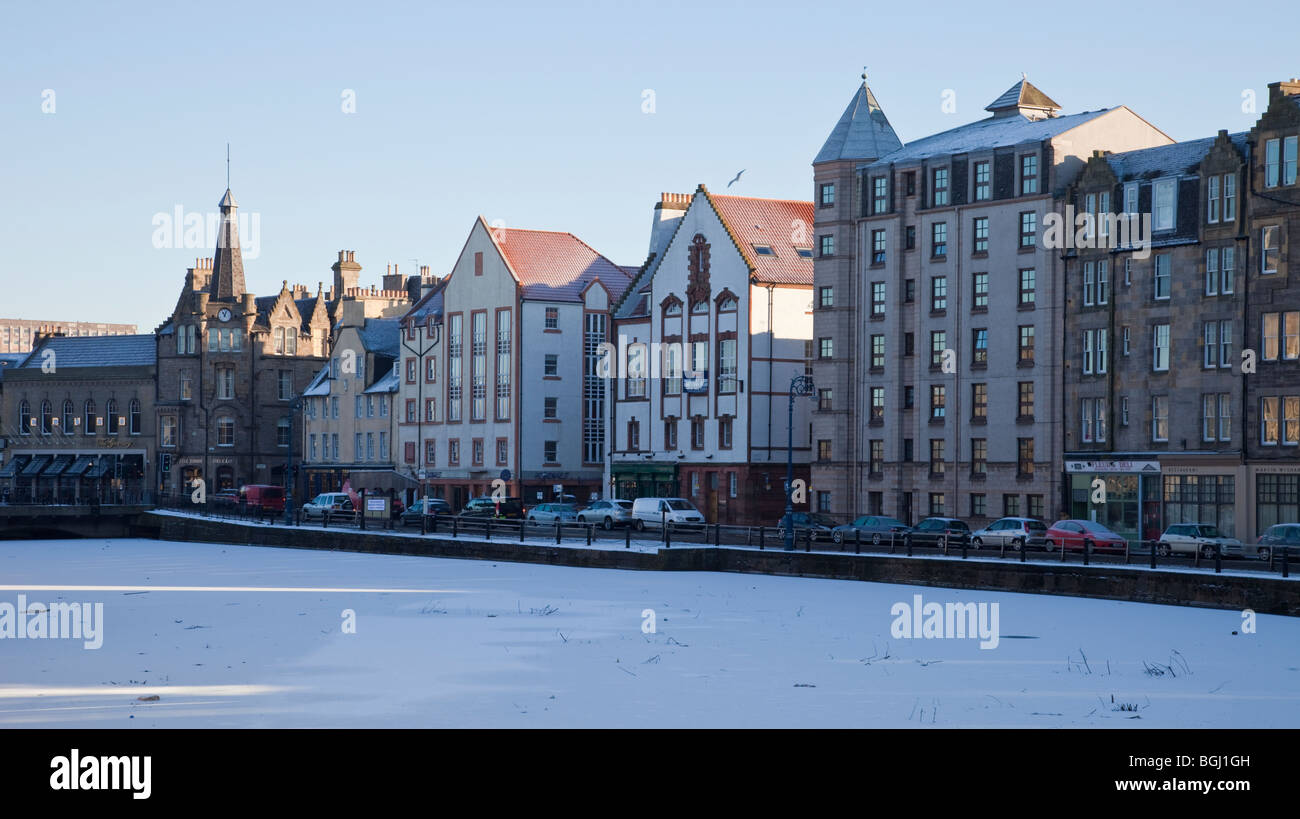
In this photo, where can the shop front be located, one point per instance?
(1206, 492)
(1129, 493)
(1275, 496)
(645, 480)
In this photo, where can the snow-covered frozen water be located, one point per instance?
(237, 636)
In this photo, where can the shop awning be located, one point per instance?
(79, 466)
(57, 466)
(11, 468)
(102, 465)
(38, 463)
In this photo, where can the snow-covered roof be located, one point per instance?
(863, 130)
(1165, 160)
(986, 134)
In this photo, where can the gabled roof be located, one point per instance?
(381, 336)
(767, 223)
(552, 266)
(96, 351)
(1165, 160)
(986, 134)
(1022, 95)
(430, 304)
(388, 383)
(863, 131)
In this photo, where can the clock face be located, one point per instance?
(224, 315)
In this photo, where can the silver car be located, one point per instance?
(608, 513)
(337, 504)
(1017, 533)
(1190, 538)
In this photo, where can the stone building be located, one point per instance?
(957, 323)
(18, 335)
(77, 420)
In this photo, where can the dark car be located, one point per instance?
(435, 506)
(486, 507)
(1072, 535)
(939, 532)
(1279, 535)
(225, 498)
(818, 526)
(873, 527)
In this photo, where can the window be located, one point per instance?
(1095, 351)
(909, 182)
(877, 404)
(1271, 164)
(1163, 207)
(980, 297)
(980, 346)
(1125, 338)
(1216, 417)
(670, 433)
(939, 239)
(939, 293)
(981, 234)
(478, 263)
(724, 432)
(827, 242)
(550, 407)
(1225, 343)
(825, 347)
(877, 352)
(824, 398)
(110, 413)
(936, 456)
(1212, 272)
(478, 365)
(1212, 200)
(358, 411)
(879, 194)
(938, 343)
(133, 417)
(1026, 345)
(552, 321)
(69, 415)
(877, 298)
(983, 187)
(1025, 399)
(1160, 348)
(169, 432)
(877, 459)
(1123, 411)
(1011, 506)
(549, 450)
(823, 501)
(551, 365)
(431, 410)
(907, 450)
(938, 505)
(455, 341)
(430, 370)
(979, 395)
(1028, 174)
(1160, 418)
(978, 505)
(1210, 349)
(826, 297)
(1161, 277)
(1289, 146)
(225, 383)
(187, 388)
(909, 237)
(727, 366)
(732, 488)
(282, 432)
(909, 344)
(358, 447)
(1131, 198)
(1228, 264)
(823, 449)
(1089, 284)
(938, 401)
(1028, 285)
(453, 452)
(225, 431)
(1270, 241)
(827, 196)
(25, 416)
(878, 246)
(697, 433)
(979, 456)
(1103, 281)
(1025, 456)
(1281, 336)
(940, 189)
(410, 410)
(909, 396)
(634, 435)
(284, 384)
(1093, 416)
(1028, 229)
(1229, 197)
(476, 452)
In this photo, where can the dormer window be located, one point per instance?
(939, 195)
(1028, 174)
(1163, 204)
(804, 252)
(764, 250)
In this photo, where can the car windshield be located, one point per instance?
(1209, 531)
(679, 505)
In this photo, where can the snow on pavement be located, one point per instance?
(238, 636)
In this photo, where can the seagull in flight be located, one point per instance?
(736, 179)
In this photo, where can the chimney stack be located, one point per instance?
(1283, 88)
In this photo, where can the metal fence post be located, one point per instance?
(487, 528)
(590, 526)
(807, 540)
(558, 537)
(1153, 555)
(963, 550)
(627, 537)
(857, 541)
(1086, 544)
(908, 543)
(668, 535)
(760, 538)
(1218, 559)
(1286, 551)
(455, 526)
(1024, 547)
(717, 535)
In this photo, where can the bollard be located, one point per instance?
(908, 543)
(1086, 544)
(1286, 550)
(1002, 550)
(521, 530)
(627, 537)
(668, 536)
(1218, 559)
(455, 526)
(857, 541)
(558, 536)
(1153, 555)
(760, 538)
(717, 535)
(1127, 548)
(325, 519)
(1024, 547)
(963, 550)
(487, 528)
(807, 540)
(590, 526)
(424, 521)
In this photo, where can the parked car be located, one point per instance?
(1278, 535)
(1018, 533)
(873, 527)
(1189, 538)
(1075, 535)
(224, 498)
(337, 504)
(424, 506)
(938, 532)
(551, 512)
(608, 513)
(657, 511)
(265, 497)
(486, 507)
(818, 526)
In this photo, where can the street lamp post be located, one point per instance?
(420, 354)
(799, 385)
(294, 406)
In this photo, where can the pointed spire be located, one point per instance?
(863, 131)
(1025, 99)
(227, 262)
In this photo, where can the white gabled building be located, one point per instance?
(499, 369)
(709, 337)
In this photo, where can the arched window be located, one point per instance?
(133, 420)
(69, 416)
(700, 307)
(110, 411)
(89, 422)
(25, 418)
(47, 418)
(673, 309)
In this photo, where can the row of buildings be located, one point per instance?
(993, 319)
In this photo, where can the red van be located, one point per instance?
(262, 496)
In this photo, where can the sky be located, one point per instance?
(554, 116)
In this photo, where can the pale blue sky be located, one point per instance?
(529, 113)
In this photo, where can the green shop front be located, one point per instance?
(644, 480)
(1130, 495)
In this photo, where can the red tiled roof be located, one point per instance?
(781, 224)
(557, 266)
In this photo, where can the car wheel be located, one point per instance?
(1018, 544)
(608, 523)
(977, 543)
(640, 525)
(1049, 545)
(875, 539)
(838, 537)
(1207, 551)
(1263, 553)
(943, 542)
(1163, 549)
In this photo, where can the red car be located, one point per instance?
(1071, 535)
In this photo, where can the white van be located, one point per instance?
(656, 511)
